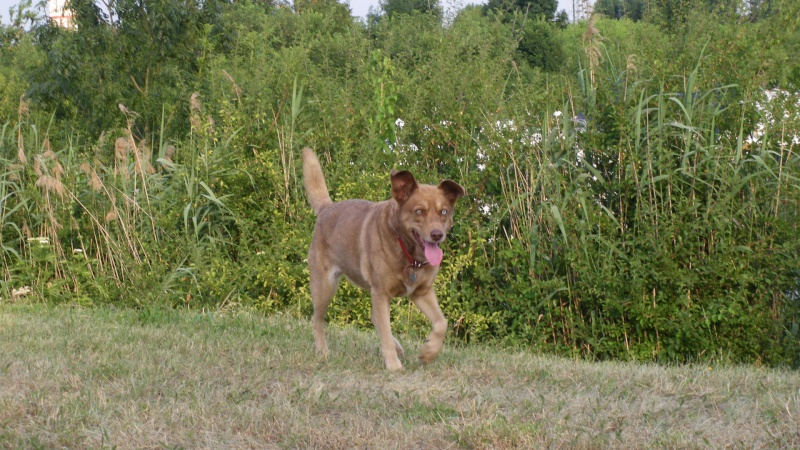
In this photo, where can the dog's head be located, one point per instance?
(426, 211)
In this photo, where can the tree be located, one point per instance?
(537, 44)
(532, 8)
(539, 47)
(21, 16)
(145, 54)
(617, 9)
(18, 54)
(562, 19)
(340, 11)
(393, 7)
(673, 14)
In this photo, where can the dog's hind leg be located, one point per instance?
(323, 287)
(429, 306)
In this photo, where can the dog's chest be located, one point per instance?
(412, 279)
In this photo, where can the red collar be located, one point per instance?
(414, 263)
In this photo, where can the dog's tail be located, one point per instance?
(314, 182)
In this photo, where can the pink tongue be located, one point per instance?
(433, 253)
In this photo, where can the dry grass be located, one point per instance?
(81, 378)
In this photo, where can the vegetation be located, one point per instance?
(120, 378)
(634, 186)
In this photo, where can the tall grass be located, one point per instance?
(656, 231)
(92, 223)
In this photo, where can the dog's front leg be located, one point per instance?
(381, 320)
(427, 303)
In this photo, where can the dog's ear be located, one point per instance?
(403, 185)
(452, 190)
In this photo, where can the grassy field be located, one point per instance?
(109, 378)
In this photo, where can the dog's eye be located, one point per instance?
(418, 212)
(444, 212)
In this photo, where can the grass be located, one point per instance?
(122, 378)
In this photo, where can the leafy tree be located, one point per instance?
(533, 8)
(18, 54)
(539, 47)
(144, 54)
(617, 9)
(395, 7)
(537, 44)
(562, 19)
(21, 16)
(339, 11)
(672, 14)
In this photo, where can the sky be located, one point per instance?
(359, 7)
(5, 5)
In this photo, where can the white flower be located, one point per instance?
(557, 114)
(399, 123)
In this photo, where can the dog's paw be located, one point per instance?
(425, 359)
(394, 365)
(322, 351)
(429, 351)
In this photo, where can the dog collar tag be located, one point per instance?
(410, 274)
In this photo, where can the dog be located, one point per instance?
(390, 248)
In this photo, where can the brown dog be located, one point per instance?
(390, 247)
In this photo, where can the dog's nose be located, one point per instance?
(437, 235)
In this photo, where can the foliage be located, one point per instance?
(18, 54)
(617, 9)
(146, 56)
(545, 9)
(534, 32)
(539, 48)
(395, 7)
(633, 189)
